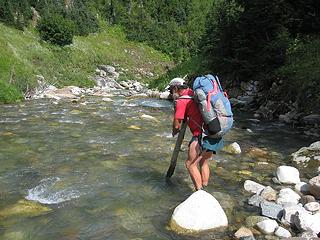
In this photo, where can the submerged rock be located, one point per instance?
(251, 221)
(243, 232)
(148, 117)
(24, 208)
(258, 153)
(201, 211)
(233, 148)
(226, 201)
(15, 235)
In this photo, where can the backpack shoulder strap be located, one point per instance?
(218, 81)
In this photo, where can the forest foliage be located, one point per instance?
(262, 40)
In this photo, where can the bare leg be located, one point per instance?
(192, 164)
(204, 165)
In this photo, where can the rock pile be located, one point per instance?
(295, 206)
(106, 80)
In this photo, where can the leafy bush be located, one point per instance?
(55, 29)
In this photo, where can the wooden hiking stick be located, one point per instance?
(176, 150)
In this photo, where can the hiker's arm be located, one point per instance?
(176, 126)
(179, 114)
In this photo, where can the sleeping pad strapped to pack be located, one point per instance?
(214, 105)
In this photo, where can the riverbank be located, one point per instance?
(25, 60)
(107, 84)
(270, 105)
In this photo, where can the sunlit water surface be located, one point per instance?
(101, 168)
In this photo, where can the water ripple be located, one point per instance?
(47, 193)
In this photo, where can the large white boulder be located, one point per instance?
(200, 211)
(287, 174)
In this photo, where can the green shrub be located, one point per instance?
(301, 72)
(55, 29)
(9, 93)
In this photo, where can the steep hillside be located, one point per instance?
(23, 56)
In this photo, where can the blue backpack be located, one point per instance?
(214, 105)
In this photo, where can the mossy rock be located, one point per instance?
(173, 226)
(14, 236)
(258, 154)
(251, 221)
(24, 208)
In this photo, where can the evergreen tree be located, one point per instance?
(15, 13)
(247, 39)
(84, 20)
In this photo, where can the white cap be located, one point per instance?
(176, 82)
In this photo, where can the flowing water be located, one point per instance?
(100, 167)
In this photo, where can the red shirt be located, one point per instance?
(187, 107)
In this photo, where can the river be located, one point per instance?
(100, 167)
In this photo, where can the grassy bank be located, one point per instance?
(23, 56)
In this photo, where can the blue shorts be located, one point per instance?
(212, 144)
(208, 144)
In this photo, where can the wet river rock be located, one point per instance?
(201, 211)
(315, 187)
(288, 174)
(24, 208)
(306, 154)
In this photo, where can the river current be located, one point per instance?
(100, 167)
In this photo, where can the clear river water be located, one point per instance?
(99, 169)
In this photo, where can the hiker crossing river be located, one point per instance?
(95, 169)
